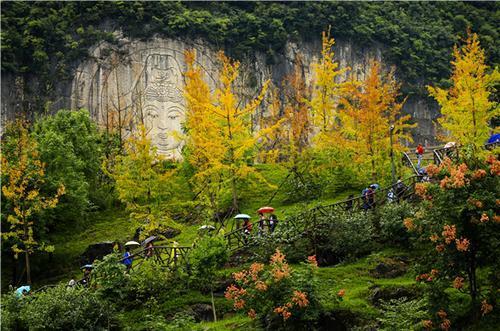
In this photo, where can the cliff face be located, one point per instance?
(142, 81)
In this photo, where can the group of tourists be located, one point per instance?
(395, 194)
(264, 224)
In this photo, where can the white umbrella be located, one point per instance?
(243, 216)
(206, 227)
(132, 243)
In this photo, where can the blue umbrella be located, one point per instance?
(20, 290)
(375, 186)
(494, 138)
(242, 216)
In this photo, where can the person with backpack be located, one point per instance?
(127, 258)
(273, 221)
(247, 229)
(364, 194)
(400, 189)
(420, 154)
(261, 224)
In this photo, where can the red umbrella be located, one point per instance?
(265, 210)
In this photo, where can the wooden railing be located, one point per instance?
(308, 219)
(303, 223)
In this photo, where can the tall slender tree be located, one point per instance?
(227, 120)
(369, 111)
(327, 90)
(23, 177)
(467, 106)
(141, 181)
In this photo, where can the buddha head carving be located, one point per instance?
(163, 104)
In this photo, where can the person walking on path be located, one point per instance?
(261, 224)
(127, 261)
(273, 221)
(149, 250)
(247, 229)
(420, 154)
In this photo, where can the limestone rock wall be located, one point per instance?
(140, 81)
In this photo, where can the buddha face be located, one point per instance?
(163, 103)
(164, 122)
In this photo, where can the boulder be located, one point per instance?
(378, 293)
(390, 269)
(202, 312)
(96, 251)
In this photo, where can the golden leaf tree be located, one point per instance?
(273, 148)
(466, 106)
(369, 111)
(142, 183)
(221, 159)
(327, 90)
(296, 112)
(23, 177)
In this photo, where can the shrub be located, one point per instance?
(391, 217)
(109, 277)
(344, 235)
(276, 295)
(62, 308)
(150, 280)
(10, 308)
(403, 314)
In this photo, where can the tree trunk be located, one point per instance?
(28, 269)
(235, 194)
(213, 304)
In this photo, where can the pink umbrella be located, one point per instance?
(265, 210)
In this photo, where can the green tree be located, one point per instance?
(69, 144)
(208, 256)
(457, 227)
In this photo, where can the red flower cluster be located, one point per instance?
(427, 324)
(300, 299)
(457, 177)
(312, 260)
(485, 307)
(408, 223)
(458, 283)
(474, 202)
(283, 311)
(449, 233)
(494, 165)
(462, 244)
(235, 293)
(280, 269)
(479, 174)
(424, 278)
(445, 323)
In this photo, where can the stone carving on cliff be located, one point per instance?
(142, 82)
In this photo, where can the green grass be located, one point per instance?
(355, 278)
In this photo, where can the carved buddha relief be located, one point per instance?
(163, 102)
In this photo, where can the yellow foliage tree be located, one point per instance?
(466, 106)
(275, 141)
(296, 113)
(222, 158)
(327, 90)
(23, 176)
(366, 118)
(141, 181)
